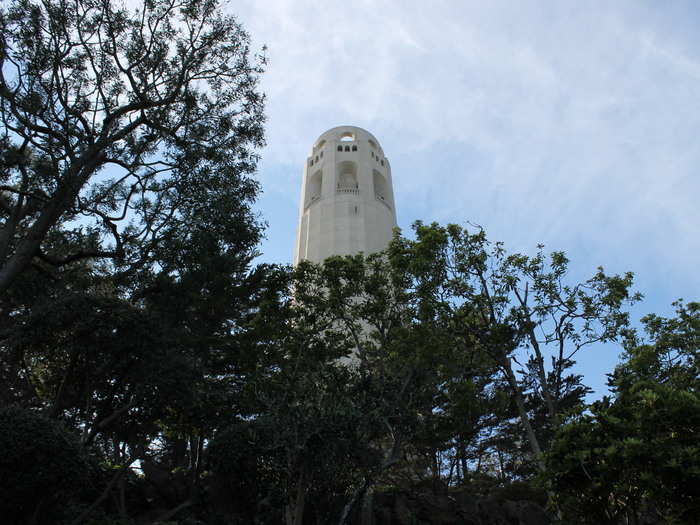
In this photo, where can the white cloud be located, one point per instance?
(560, 120)
(575, 124)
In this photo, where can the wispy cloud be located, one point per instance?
(569, 106)
(576, 124)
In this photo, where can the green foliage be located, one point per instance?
(126, 235)
(122, 129)
(318, 426)
(633, 457)
(42, 467)
(289, 393)
(638, 455)
(669, 354)
(96, 357)
(509, 309)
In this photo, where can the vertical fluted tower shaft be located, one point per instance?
(347, 197)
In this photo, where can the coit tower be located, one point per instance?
(347, 199)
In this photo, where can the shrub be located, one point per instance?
(42, 465)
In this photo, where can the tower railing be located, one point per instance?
(348, 188)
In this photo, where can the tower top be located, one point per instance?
(347, 199)
(346, 134)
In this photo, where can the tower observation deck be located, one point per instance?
(347, 197)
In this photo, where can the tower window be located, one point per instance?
(313, 187)
(382, 162)
(347, 177)
(347, 148)
(321, 154)
(354, 148)
(340, 148)
(381, 188)
(372, 153)
(316, 159)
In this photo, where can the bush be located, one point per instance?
(629, 460)
(42, 466)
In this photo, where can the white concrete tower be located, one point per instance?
(347, 198)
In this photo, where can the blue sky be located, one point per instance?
(574, 124)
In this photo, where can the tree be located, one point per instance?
(667, 351)
(516, 307)
(119, 128)
(126, 233)
(632, 458)
(636, 456)
(313, 424)
(343, 390)
(235, 392)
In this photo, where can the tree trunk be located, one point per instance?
(66, 193)
(294, 512)
(29, 246)
(105, 493)
(522, 412)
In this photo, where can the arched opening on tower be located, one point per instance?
(381, 188)
(347, 178)
(347, 136)
(313, 188)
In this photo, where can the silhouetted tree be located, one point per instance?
(118, 128)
